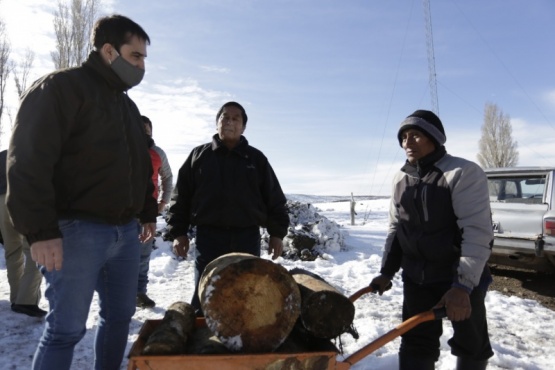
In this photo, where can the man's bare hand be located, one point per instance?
(148, 231)
(48, 253)
(161, 207)
(276, 246)
(180, 246)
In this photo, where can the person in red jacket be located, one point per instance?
(161, 170)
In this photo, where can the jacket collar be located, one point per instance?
(241, 148)
(425, 164)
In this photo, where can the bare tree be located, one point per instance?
(5, 67)
(72, 25)
(497, 147)
(21, 71)
(62, 29)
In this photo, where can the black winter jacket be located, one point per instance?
(78, 150)
(227, 188)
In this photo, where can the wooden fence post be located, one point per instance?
(353, 213)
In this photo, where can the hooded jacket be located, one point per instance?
(78, 150)
(440, 222)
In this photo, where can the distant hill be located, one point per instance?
(303, 198)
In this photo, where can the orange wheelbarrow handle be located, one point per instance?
(435, 314)
(372, 288)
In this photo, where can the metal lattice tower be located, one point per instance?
(431, 58)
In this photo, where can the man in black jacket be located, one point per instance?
(79, 177)
(440, 234)
(228, 190)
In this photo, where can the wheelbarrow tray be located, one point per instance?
(321, 356)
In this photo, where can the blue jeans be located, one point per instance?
(97, 257)
(146, 250)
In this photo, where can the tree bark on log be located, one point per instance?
(170, 338)
(325, 311)
(251, 304)
(204, 342)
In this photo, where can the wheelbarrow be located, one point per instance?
(322, 355)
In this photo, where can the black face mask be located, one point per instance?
(127, 72)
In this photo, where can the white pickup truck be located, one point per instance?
(523, 211)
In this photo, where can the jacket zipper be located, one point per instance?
(125, 119)
(424, 200)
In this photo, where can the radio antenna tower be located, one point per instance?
(431, 58)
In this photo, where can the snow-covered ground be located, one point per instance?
(522, 331)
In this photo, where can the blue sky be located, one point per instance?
(326, 83)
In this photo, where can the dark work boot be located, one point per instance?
(29, 310)
(469, 364)
(143, 301)
(415, 363)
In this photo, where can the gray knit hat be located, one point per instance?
(427, 122)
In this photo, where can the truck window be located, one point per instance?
(525, 189)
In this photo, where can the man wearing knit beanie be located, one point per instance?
(440, 235)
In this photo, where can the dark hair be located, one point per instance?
(116, 30)
(147, 121)
(233, 104)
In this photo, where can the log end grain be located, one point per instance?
(327, 314)
(325, 311)
(251, 304)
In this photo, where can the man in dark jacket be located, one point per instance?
(79, 177)
(440, 234)
(23, 275)
(228, 190)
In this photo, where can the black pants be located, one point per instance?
(470, 337)
(214, 242)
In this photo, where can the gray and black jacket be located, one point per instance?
(227, 188)
(440, 222)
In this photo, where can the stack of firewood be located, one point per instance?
(253, 305)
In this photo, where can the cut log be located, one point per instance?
(170, 338)
(325, 311)
(251, 304)
(204, 342)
